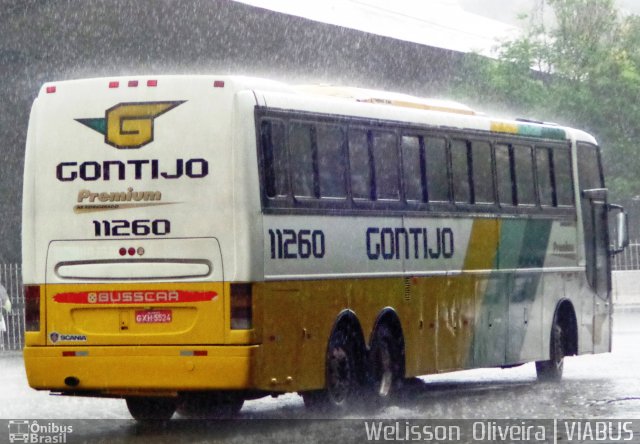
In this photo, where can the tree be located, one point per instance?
(582, 70)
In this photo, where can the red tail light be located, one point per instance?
(32, 308)
(241, 307)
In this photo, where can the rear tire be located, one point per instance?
(385, 366)
(343, 374)
(151, 408)
(552, 369)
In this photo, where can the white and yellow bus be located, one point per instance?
(194, 241)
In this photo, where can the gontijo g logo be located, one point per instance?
(129, 125)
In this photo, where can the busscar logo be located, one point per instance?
(129, 125)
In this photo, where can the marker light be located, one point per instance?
(114, 84)
(152, 83)
(131, 251)
(218, 84)
(132, 83)
(241, 306)
(68, 353)
(32, 307)
(51, 89)
(194, 352)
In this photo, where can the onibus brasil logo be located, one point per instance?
(129, 125)
(28, 431)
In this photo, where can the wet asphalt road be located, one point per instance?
(595, 387)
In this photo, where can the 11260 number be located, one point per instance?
(139, 227)
(292, 244)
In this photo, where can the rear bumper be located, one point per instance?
(139, 370)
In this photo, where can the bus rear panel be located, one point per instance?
(128, 214)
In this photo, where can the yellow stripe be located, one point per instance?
(483, 244)
(503, 127)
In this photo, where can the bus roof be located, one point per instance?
(353, 94)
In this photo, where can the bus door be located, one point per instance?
(596, 244)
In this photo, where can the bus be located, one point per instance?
(191, 242)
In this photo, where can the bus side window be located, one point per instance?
(386, 163)
(460, 165)
(546, 191)
(436, 169)
(331, 161)
(303, 164)
(483, 190)
(274, 158)
(562, 174)
(413, 168)
(360, 165)
(504, 174)
(524, 175)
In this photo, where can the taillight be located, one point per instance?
(241, 311)
(32, 307)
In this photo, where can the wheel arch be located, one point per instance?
(565, 316)
(389, 318)
(348, 321)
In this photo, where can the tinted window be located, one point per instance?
(385, 158)
(459, 163)
(301, 158)
(331, 162)
(504, 175)
(545, 180)
(412, 168)
(274, 157)
(482, 172)
(436, 162)
(359, 164)
(524, 175)
(562, 171)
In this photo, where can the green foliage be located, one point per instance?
(584, 71)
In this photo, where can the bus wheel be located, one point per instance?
(342, 373)
(210, 405)
(551, 370)
(151, 408)
(385, 366)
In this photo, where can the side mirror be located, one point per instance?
(622, 229)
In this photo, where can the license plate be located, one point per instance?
(153, 316)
